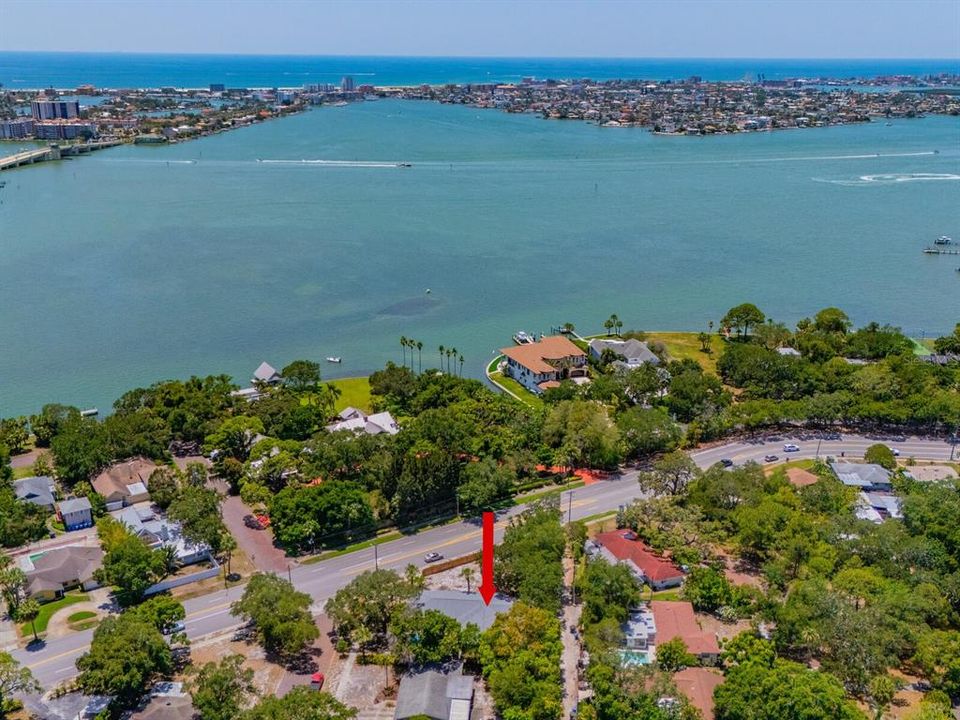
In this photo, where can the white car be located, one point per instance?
(896, 453)
(790, 447)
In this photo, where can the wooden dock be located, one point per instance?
(955, 250)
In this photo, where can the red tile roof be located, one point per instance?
(653, 566)
(676, 620)
(698, 685)
(535, 356)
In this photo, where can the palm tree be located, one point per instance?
(441, 357)
(227, 546)
(27, 612)
(608, 324)
(419, 357)
(617, 323)
(468, 573)
(461, 366)
(362, 636)
(403, 344)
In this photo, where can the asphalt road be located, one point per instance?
(53, 662)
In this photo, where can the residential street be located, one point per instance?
(54, 662)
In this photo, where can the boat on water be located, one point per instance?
(404, 165)
(522, 338)
(91, 412)
(943, 240)
(335, 359)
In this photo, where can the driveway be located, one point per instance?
(256, 544)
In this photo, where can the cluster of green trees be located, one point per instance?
(528, 563)
(129, 653)
(858, 598)
(20, 522)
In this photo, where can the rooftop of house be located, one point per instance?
(37, 490)
(56, 567)
(356, 420)
(635, 351)
(155, 529)
(464, 607)
(698, 684)
(536, 356)
(624, 546)
(860, 474)
(676, 620)
(72, 505)
(265, 372)
(639, 624)
(437, 693)
(119, 478)
(168, 701)
(799, 477)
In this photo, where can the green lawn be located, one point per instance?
(82, 615)
(682, 345)
(354, 392)
(497, 378)
(47, 611)
(23, 472)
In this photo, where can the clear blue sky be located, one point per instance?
(537, 28)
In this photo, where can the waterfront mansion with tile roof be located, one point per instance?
(541, 365)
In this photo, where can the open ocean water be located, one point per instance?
(119, 70)
(301, 238)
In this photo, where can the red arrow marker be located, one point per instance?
(487, 588)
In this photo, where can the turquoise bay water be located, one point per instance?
(141, 263)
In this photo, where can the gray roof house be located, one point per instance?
(60, 569)
(464, 607)
(76, 513)
(865, 476)
(634, 352)
(266, 373)
(37, 490)
(356, 420)
(436, 693)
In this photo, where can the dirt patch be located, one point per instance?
(369, 688)
(266, 675)
(932, 473)
(723, 630)
(453, 579)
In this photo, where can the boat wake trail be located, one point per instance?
(891, 179)
(335, 163)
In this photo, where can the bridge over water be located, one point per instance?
(53, 152)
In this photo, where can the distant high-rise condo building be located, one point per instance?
(11, 129)
(346, 84)
(55, 109)
(217, 87)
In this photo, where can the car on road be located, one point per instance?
(896, 453)
(770, 458)
(316, 681)
(432, 557)
(726, 462)
(790, 447)
(173, 628)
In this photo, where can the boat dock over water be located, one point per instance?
(955, 250)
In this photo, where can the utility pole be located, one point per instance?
(376, 557)
(570, 508)
(289, 576)
(818, 447)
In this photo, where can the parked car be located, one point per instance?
(896, 453)
(790, 447)
(726, 462)
(432, 557)
(173, 628)
(316, 681)
(770, 458)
